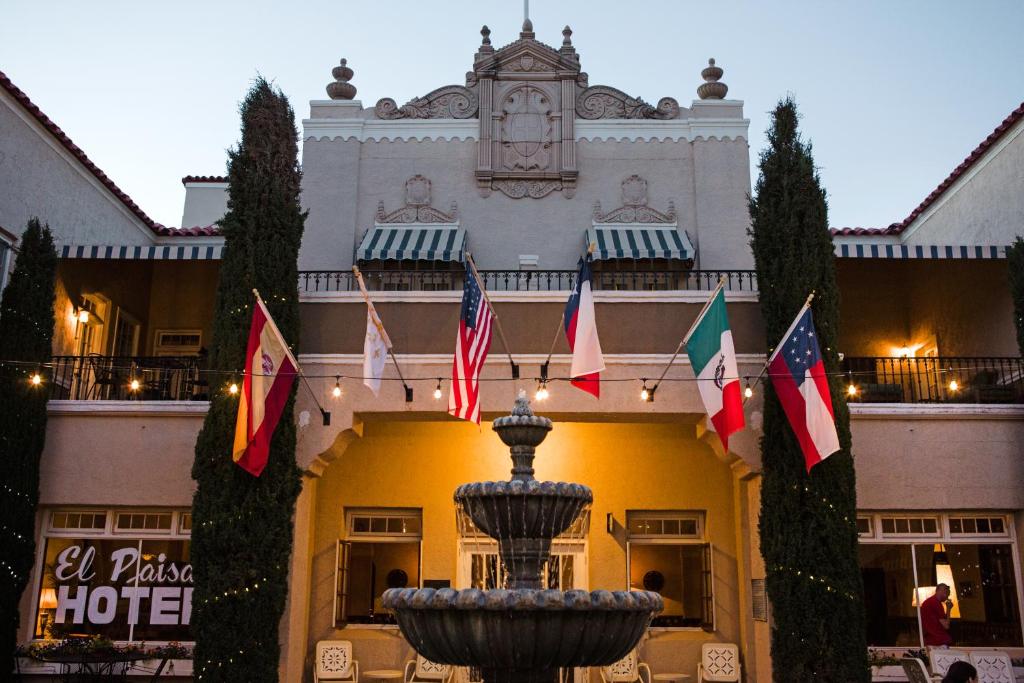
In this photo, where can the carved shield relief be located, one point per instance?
(526, 130)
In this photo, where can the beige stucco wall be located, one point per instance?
(628, 466)
(986, 209)
(40, 178)
(920, 459)
(205, 204)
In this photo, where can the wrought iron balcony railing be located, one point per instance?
(128, 378)
(943, 379)
(525, 280)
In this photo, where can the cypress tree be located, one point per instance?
(808, 521)
(26, 335)
(1015, 258)
(242, 528)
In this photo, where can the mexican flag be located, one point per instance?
(713, 356)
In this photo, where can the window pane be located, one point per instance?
(888, 525)
(395, 525)
(983, 527)
(998, 526)
(863, 525)
(930, 526)
(888, 576)
(59, 520)
(903, 526)
(688, 527)
(360, 525)
(378, 525)
(983, 590)
(412, 525)
(165, 571)
(671, 527)
(675, 571)
(916, 526)
(969, 526)
(96, 605)
(955, 526)
(375, 567)
(639, 527)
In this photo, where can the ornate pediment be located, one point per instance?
(634, 207)
(605, 102)
(417, 207)
(448, 102)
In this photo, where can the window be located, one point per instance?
(898, 576)
(864, 526)
(131, 581)
(177, 342)
(666, 553)
(381, 551)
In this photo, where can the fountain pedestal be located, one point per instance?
(522, 633)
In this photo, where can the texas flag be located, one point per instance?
(798, 375)
(270, 370)
(581, 331)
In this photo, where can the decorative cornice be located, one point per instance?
(605, 102)
(438, 130)
(447, 102)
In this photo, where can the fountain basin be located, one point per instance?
(523, 509)
(522, 634)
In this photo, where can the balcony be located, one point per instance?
(526, 280)
(950, 379)
(127, 378)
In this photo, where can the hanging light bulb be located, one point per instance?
(954, 385)
(748, 391)
(134, 384)
(233, 388)
(336, 391)
(542, 391)
(437, 391)
(647, 393)
(851, 390)
(36, 379)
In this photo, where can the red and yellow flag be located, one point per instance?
(270, 371)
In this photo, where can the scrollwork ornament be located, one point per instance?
(604, 102)
(449, 102)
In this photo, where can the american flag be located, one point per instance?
(471, 347)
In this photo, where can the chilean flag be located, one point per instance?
(581, 331)
(270, 370)
(798, 375)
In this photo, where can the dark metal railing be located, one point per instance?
(525, 280)
(128, 378)
(942, 379)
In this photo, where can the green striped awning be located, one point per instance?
(384, 243)
(639, 243)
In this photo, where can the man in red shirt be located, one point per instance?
(935, 618)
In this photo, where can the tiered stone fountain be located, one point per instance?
(522, 633)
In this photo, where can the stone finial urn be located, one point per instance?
(341, 89)
(712, 88)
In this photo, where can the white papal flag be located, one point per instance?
(375, 350)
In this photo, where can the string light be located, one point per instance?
(645, 393)
(336, 391)
(542, 391)
(851, 390)
(233, 388)
(134, 384)
(36, 380)
(437, 391)
(954, 385)
(748, 391)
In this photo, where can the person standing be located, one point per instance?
(935, 618)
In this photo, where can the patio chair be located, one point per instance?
(941, 658)
(719, 662)
(105, 380)
(334, 662)
(422, 669)
(993, 666)
(629, 669)
(915, 670)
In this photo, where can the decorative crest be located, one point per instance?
(605, 102)
(634, 207)
(417, 207)
(448, 102)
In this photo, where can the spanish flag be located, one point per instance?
(270, 371)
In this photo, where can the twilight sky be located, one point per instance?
(893, 94)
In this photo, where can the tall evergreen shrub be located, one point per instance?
(242, 525)
(26, 335)
(808, 521)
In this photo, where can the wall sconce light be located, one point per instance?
(609, 523)
(83, 316)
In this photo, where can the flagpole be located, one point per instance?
(298, 368)
(689, 333)
(383, 333)
(494, 314)
(764, 368)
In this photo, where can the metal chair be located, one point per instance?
(334, 662)
(422, 669)
(629, 669)
(993, 666)
(719, 662)
(941, 658)
(915, 670)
